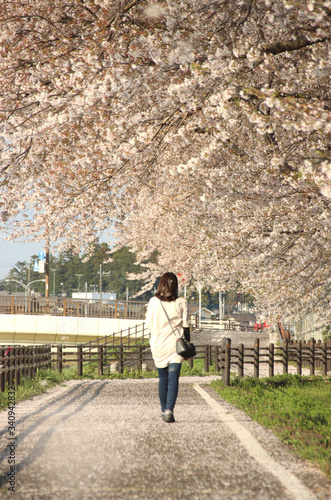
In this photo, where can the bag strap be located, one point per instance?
(172, 328)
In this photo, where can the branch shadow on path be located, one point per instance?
(42, 441)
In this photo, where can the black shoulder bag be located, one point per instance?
(183, 347)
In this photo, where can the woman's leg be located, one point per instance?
(173, 379)
(163, 386)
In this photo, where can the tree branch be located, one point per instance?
(120, 13)
(290, 45)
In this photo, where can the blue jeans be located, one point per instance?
(168, 385)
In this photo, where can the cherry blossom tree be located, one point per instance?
(199, 129)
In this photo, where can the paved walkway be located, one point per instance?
(105, 439)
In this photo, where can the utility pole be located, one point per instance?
(199, 289)
(100, 282)
(220, 305)
(79, 277)
(100, 285)
(47, 269)
(29, 271)
(53, 271)
(222, 295)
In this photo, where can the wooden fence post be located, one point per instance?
(324, 357)
(22, 361)
(271, 360)
(6, 367)
(140, 357)
(13, 364)
(10, 368)
(227, 362)
(80, 360)
(2, 373)
(216, 360)
(285, 355)
(36, 358)
(241, 360)
(206, 356)
(256, 357)
(49, 351)
(59, 358)
(312, 356)
(31, 361)
(27, 360)
(18, 366)
(120, 358)
(100, 360)
(299, 357)
(25, 372)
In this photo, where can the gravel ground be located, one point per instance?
(216, 337)
(105, 439)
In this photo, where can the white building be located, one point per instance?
(94, 296)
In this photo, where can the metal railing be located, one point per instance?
(63, 306)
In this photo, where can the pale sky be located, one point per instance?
(12, 252)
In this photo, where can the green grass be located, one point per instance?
(43, 380)
(91, 371)
(198, 369)
(297, 409)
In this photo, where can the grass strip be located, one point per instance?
(43, 380)
(297, 409)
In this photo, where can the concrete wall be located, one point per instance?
(19, 329)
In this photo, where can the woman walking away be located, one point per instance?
(167, 319)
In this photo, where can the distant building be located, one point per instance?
(94, 296)
(206, 314)
(241, 317)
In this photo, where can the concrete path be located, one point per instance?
(105, 439)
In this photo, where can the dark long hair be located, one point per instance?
(167, 289)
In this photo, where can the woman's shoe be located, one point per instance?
(168, 416)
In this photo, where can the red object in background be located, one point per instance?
(266, 324)
(180, 277)
(9, 349)
(255, 326)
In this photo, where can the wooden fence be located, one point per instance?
(62, 306)
(24, 361)
(312, 355)
(315, 356)
(21, 361)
